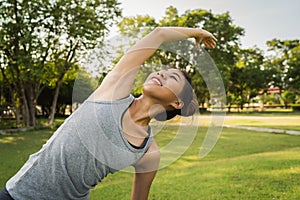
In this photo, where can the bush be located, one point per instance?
(296, 107)
(202, 110)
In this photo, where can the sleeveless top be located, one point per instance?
(88, 146)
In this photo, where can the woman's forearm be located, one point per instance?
(170, 34)
(178, 33)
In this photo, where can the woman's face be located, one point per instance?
(164, 85)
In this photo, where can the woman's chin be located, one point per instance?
(158, 93)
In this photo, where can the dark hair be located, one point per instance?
(189, 99)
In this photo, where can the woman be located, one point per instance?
(110, 129)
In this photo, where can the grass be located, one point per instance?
(15, 149)
(6, 123)
(242, 165)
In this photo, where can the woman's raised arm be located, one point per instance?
(118, 83)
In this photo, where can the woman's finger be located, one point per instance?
(208, 43)
(215, 39)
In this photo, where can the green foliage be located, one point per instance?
(246, 73)
(41, 42)
(296, 107)
(76, 87)
(84, 85)
(284, 62)
(182, 54)
(288, 97)
(293, 74)
(247, 77)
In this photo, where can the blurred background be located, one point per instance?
(54, 53)
(45, 44)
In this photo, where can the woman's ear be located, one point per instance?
(177, 104)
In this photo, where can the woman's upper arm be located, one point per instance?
(150, 161)
(114, 86)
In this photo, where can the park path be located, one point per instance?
(253, 128)
(260, 129)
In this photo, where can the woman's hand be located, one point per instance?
(170, 34)
(206, 38)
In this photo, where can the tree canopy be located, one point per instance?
(40, 41)
(246, 73)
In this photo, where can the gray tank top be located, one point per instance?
(88, 146)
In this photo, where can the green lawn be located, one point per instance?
(15, 149)
(242, 165)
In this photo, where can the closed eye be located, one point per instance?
(173, 77)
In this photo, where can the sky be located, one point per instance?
(262, 20)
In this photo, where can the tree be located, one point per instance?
(284, 62)
(77, 85)
(36, 33)
(23, 53)
(293, 73)
(288, 98)
(247, 77)
(81, 25)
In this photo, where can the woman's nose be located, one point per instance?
(162, 74)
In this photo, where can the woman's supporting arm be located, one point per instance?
(145, 171)
(141, 185)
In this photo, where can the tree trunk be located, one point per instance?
(229, 108)
(54, 101)
(25, 109)
(12, 91)
(66, 67)
(31, 107)
(16, 109)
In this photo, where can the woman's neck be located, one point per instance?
(143, 109)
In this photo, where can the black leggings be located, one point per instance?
(4, 195)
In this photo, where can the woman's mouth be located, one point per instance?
(156, 81)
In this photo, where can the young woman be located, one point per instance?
(110, 130)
